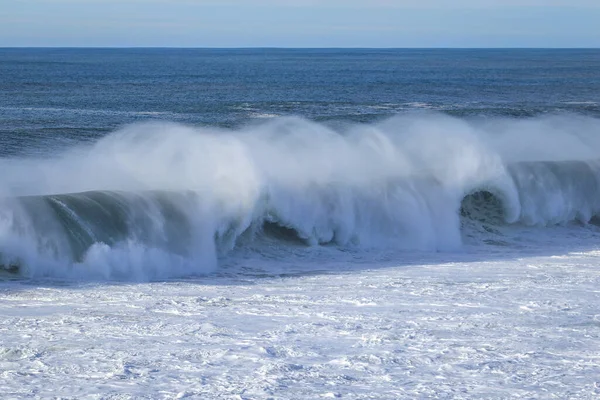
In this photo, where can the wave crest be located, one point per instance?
(159, 200)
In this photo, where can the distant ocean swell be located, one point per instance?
(153, 201)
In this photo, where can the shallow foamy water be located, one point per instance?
(458, 325)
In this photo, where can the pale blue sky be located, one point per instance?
(301, 23)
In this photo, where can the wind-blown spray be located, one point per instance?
(153, 200)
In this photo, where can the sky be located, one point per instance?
(300, 23)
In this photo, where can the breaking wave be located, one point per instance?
(153, 201)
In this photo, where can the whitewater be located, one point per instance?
(421, 256)
(162, 200)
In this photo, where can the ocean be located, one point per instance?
(299, 223)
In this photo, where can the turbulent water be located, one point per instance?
(359, 150)
(158, 200)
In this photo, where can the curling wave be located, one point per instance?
(161, 200)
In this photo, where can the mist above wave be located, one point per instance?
(156, 200)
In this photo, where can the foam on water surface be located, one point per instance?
(500, 325)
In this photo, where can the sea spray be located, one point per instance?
(158, 200)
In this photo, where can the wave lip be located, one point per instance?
(154, 201)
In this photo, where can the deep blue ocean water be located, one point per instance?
(52, 97)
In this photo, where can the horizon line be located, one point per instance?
(307, 48)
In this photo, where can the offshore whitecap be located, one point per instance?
(158, 200)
